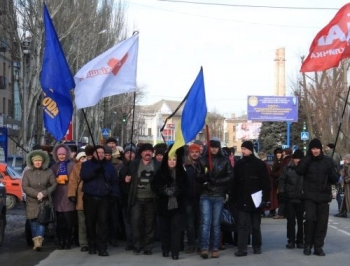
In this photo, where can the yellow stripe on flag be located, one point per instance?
(179, 140)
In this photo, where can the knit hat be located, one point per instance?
(108, 150)
(215, 142)
(37, 158)
(198, 142)
(248, 145)
(146, 147)
(80, 154)
(61, 150)
(131, 148)
(194, 147)
(298, 154)
(315, 143)
(111, 139)
(331, 145)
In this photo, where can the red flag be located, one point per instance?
(331, 44)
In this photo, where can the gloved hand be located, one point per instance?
(170, 191)
(73, 199)
(99, 170)
(281, 197)
(263, 205)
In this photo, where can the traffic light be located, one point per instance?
(124, 118)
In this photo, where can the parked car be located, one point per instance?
(13, 184)
(16, 162)
(2, 212)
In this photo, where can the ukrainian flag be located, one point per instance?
(193, 115)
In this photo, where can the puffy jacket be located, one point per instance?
(290, 183)
(319, 174)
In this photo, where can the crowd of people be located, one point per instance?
(141, 193)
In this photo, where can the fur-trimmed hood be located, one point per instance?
(42, 154)
(54, 152)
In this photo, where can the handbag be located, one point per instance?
(46, 211)
(227, 220)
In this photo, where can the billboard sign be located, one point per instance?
(273, 108)
(3, 144)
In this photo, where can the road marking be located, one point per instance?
(340, 230)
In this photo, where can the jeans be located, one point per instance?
(37, 228)
(210, 213)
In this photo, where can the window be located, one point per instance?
(9, 107)
(3, 105)
(149, 131)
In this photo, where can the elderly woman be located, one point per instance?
(38, 181)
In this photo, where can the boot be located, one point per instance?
(62, 244)
(342, 214)
(40, 240)
(37, 244)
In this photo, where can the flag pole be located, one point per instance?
(210, 162)
(89, 129)
(133, 119)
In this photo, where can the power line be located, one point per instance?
(251, 6)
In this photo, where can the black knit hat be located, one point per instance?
(159, 151)
(298, 154)
(277, 150)
(215, 142)
(248, 145)
(315, 143)
(146, 147)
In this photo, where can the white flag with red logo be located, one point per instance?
(111, 73)
(331, 44)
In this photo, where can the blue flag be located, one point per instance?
(56, 81)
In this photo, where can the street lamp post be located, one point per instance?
(26, 66)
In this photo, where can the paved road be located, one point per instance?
(337, 249)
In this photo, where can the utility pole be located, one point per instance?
(26, 66)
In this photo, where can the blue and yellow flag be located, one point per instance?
(193, 114)
(56, 81)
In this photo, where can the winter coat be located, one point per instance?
(216, 182)
(35, 181)
(60, 197)
(75, 186)
(100, 178)
(346, 179)
(193, 188)
(319, 174)
(290, 183)
(163, 180)
(250, 176)
(133, 172)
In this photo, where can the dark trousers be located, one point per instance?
(96, 220)
(127, 226)
(65, 222)
(113, 220)
(249, 222)
(192, 223)
(170, 233)
(143, 223)
(295, 215)
(316, 223)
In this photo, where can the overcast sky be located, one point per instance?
(235, 45)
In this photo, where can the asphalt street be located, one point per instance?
(337, 250)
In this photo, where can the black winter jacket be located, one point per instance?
(290, 183)
(319, 174)
(216, 182)
(250, 176)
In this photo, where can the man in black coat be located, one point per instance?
(319, 172)
(250, 176)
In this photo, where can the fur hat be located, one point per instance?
(315, 143)
(80, 154)
(215, 142)
(146, 147)
(111, 139)
(298, 154)
(248, 145)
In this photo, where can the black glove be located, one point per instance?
(99, 170)
(263, 204)
(170, 191)
(73, 199)
(281, 197)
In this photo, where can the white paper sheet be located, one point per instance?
(257, 196)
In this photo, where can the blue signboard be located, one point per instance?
(304, 135)
(106, 132)
(3, 144)
(273, 108)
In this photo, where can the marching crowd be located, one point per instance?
(145, 192)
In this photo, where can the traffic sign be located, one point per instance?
(106, 132)
(304, 135)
